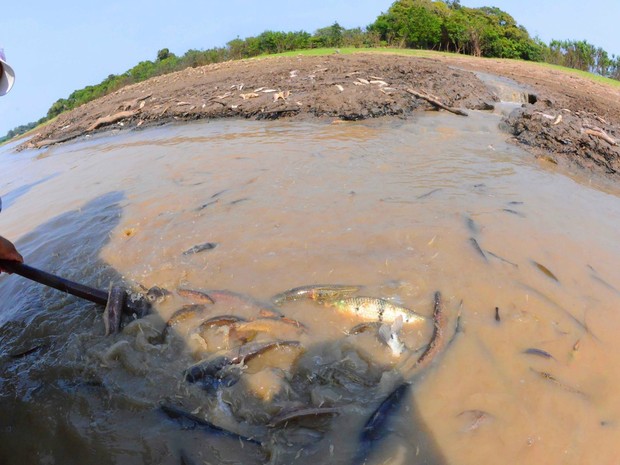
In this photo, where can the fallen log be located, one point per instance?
(435, 102)
(112, 119)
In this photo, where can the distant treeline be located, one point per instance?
(442, 25)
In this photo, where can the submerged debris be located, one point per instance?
(474, 419)
(200, 248)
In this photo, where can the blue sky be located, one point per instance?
(58, 47)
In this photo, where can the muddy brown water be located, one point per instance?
(526, 254)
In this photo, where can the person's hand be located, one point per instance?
(9, 252)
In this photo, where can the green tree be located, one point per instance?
(163, 54)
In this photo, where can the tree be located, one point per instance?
(163, 54)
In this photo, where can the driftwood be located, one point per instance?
(598, 132)
(46, 142)
(435, 102)
(112, 119)
(132, 103)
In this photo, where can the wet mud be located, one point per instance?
(564, 119)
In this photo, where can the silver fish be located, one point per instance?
(372, 308)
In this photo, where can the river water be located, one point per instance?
(525, 258)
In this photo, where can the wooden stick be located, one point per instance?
(433, 101)
(601, 135)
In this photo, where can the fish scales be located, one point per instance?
(318, 292)
(375, 309)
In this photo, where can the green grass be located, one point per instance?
(350, 50)
(435, 54)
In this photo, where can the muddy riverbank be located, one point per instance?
(564, 118)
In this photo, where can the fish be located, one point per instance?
(286, 416)
(502, 259)
(545, 270)
(191, 421)
(317, 292)
(428, 194)
(549, 377)
(497, 317)
(471, 225)
(200, 248)
(237, 300)
(389, 335)
(185, 313)
(217, 321)
(196, 296)
(376, 427)
(210, 372)
(270, 325)
(474, 242)
(538, 352)
(412, 367)
(157, 294)
(27, 352)
(514, 212)
(372, 308)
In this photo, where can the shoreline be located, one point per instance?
(567, 119)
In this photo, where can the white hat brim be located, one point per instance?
(7, 79)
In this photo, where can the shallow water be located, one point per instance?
(398, 207)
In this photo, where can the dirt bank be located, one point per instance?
(569, 119)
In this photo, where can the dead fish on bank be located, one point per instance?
(318, 292)
(372, 308)
(376, 427)
(200, 248)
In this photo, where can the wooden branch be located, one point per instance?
(112, 119)
(598, 132)
(435, 102)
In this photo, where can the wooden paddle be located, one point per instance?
(115, 301)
